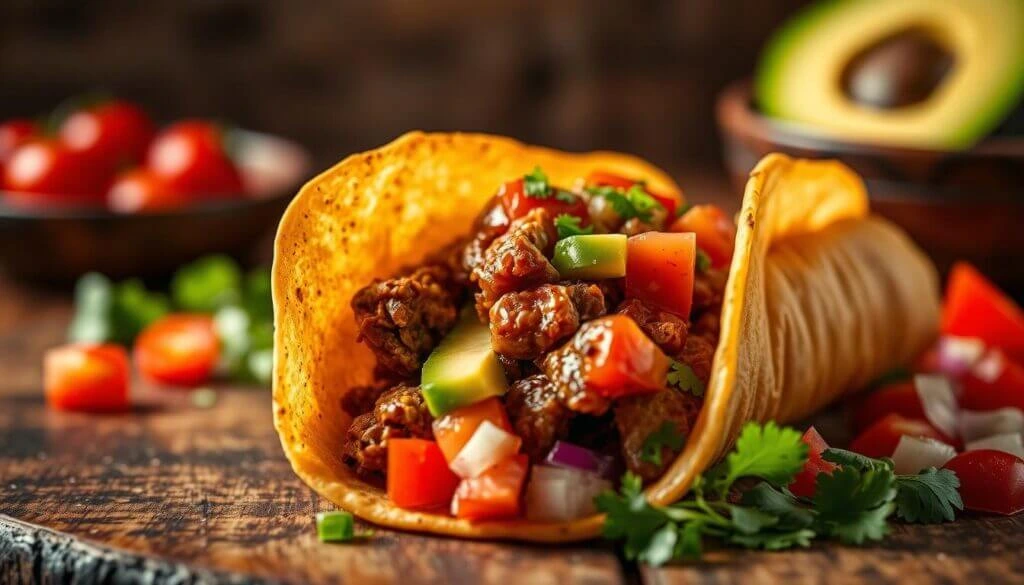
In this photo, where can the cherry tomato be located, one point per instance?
(621, 360)
(716, 232)
(1002, 386)
(495, 493)
(45, 172)
(990, 481)
(113, 133)
(974, 307)
(900, 398)
(660, 269)
(418, 475)
(804, 482)
(14, 133)
(143, 191)
(190, 157)
(603, 179)
(517, 203)
(453, 430)
(881, 438)
(86, 377)
(180, 349)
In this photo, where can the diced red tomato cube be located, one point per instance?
(603, 179)
(87, 378)
(660, 269)
(975, 307)
(418, 475)
(900, 398)
(1002, 386)
(804, 482)
(517, 203)
(716, 232)
(990, 481)
(180, 349)
(623, 360)
(494, 494)
(881, 438)
(453, 430)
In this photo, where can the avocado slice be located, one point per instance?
(462, 369)
(592, 256)
(807, 63)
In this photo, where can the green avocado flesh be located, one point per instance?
(924, 73)
(591, 257)
(463, 369)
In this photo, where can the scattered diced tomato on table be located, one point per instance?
(880, 439)
(180, 349)
(900, 398)
(803, 484)
(990, 481)
(87, 377)
(975, 307)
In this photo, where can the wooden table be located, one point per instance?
(187, 495)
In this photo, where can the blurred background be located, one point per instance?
(339, 76)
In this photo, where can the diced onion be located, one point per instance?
(561, 493)
(939, 402)
(488, 446)
(572, 456)
(1009, 442)
(913, 454)
(976, 425)
(958, 354)
(990, 367)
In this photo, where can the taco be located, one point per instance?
(474, 336)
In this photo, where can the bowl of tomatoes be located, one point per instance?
(100, 187)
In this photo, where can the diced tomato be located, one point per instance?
(600, 178)
(881, 438)
(180, 349)
(804, 482)
(990, 481)
(900, 398)
(453, 430)
(975, 307)
(192, 158)
(716, 232)
(112, 133)
(495, 493)
(14, 133)
(660, 269)
(143, 191)
(1002, 386)
(86, 377)
(418, 475)
(622, 360)
(517, 203)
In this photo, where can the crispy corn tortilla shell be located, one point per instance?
(821, 298)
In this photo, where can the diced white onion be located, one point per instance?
(489, 445)
(980, 424)
(1008, 442)
(990, 367)
(958, 354)
(559, 493)
(913, 454)
(939, 402)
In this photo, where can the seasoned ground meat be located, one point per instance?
(402, 319)
(637, 417)
(565, 368)
(362, 398)
(517, 369)
(708, 287)
(517, 260)
(614, 291)
(398, 413)
(708, 325)
(537, 415)
(527, 324)
(664, 328)
(491, 223)
(698, 353)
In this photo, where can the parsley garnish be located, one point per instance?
(667, 435)
(681, 377)
(569, 225)
(703, 261)
(535, 184)
(634, 202)
(852, 504)
(565, 196)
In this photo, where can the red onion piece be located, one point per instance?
(568, 455)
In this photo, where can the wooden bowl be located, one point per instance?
(965, 205)
(58, 245)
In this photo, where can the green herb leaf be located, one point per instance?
(703, 261)
(751, 520)
(569, 225)
(94, 302)
(774, 540)
(773, 453)
(335, 526)
(783, 506)
(565, 196)
(857, 461)
(629, 204)
(629, 517)
(535, 184)
(853, 505)
(642, 202)
(681, 377)
(207, 284)
(930, 497)
(667, 436)
(662, 546)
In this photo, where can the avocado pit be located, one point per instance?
(900, 70)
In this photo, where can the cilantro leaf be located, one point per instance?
(569, 225)
(771, 452)
(857, 461)
(535, 184)
(565, 196)
(703, 261)
(635, 202)
(929, 497)
(667, 436)
(642, 201)
(628, 516)
(784, 506)
(853, 505)
(774, 540)
(690, 545)
(662, 546)
(751, 520)
(207, 284)
(681, 377)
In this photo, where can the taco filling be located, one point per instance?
(567, 338)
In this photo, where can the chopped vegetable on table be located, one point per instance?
(180, 349)
(881, 438)
(976, 308)
(335, 526)
(804, 481)
(990, 481)
(87, 377)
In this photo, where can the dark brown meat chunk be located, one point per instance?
(566, 366)
(637, 417)
(708, 325)
(402, 319)
(664, 328)
(537, 415)
(491, 223)
(398, 413)
(527, 324)
(516, 260)
(708, 287)
(362, 398)
(698, 353)
(517, 369)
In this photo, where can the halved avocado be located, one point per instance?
(831, 66)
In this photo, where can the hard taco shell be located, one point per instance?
(821, 298)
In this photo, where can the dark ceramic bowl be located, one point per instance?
(965, 205)
(58, 245)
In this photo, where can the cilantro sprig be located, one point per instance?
(569, 225)
(633, 202)
(853, 504)
(681, 377)
(666, 436)
(537, 185)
